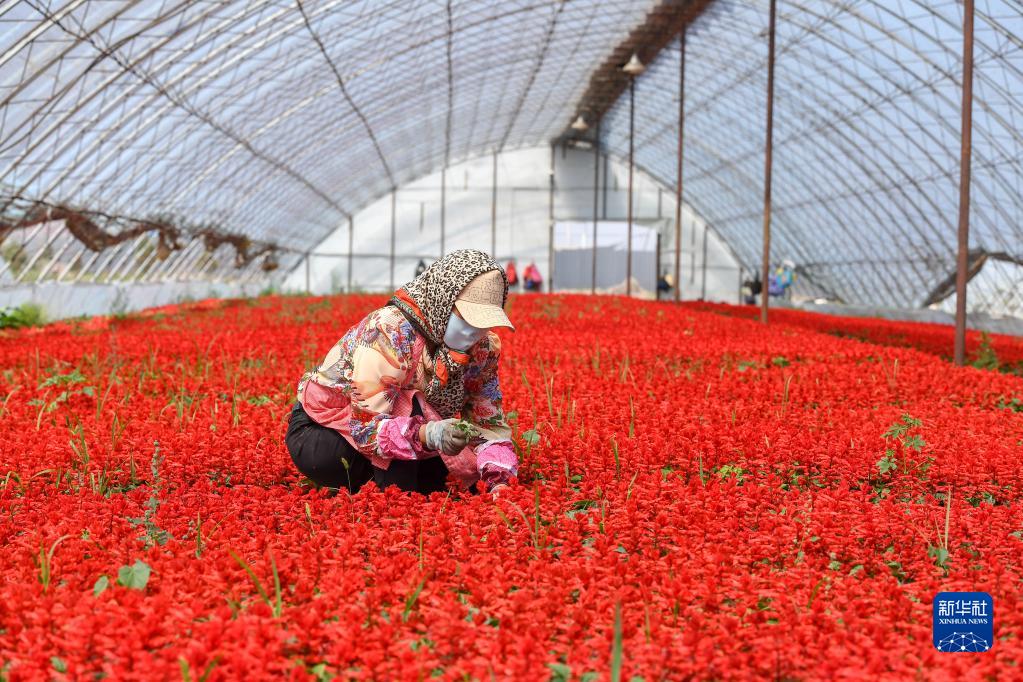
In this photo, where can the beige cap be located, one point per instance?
(480, 302)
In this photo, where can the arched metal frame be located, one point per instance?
(866, 147)
(279, 121)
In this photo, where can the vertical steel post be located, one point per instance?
(632, 130)
(604, 191)
(550, 228)
(703, 277)
(493, 213)
(351, 241)
(965, 151)
(657, 267)
(443, 206)
(596, 187)
(394, 228)
(308, 290)
(766, 264)
(678, 182)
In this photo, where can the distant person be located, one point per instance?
(751, 289)
(531, 278)
(780, 283)
(420, 267)
(513, 275)
(665, 284)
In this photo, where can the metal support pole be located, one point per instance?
(55, 231)
(493, 213)
(443, 203)
(678, 182)
(550, 228)
(185, 264)
(596, 187)
(168, 265)
(766, 265)
(657, 267)
(7, 264)
(604, 213)
(965, 150)
(394, 229)
(71, 263)
(53, 260)
(632, 130)
(136, 275)
(351, 241)
(308, 290)
(703, 277)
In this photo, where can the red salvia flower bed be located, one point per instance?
(734, 497)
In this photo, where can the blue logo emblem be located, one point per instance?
(963, 621)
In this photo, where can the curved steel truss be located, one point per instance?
(866, 142)
(273, 123)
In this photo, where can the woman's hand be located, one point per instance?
(498, 490)
(444, 436)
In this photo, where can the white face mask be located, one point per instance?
(460, 335)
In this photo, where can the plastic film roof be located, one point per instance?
(272, 122)
(277, 120)
(866, 137)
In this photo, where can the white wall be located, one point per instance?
(523, 205)
(61, 300)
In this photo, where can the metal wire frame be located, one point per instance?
(867, 145)
(106, 137)
(205, 110)
(750, 180)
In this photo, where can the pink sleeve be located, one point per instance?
(398, 438)
(497, 463)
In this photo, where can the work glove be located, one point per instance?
(498, 490)
(445, 436)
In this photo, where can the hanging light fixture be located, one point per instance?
(580, 124)
(634, 67)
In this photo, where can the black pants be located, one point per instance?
(326, 458)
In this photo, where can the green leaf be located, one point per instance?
(410, 601)
(532, 437)
(135, 576)
(915, 443)
(560, 672)
(910, 421)
(780, 361)
(58, 664)
(939, 554)
(888, 462)
(616, 646)
(102, 583)
(468, 429)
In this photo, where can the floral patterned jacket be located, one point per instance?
(365, 387)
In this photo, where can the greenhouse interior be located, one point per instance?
(754, 271)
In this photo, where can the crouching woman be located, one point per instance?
(386, 402)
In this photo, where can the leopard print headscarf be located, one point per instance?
(426, 302)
